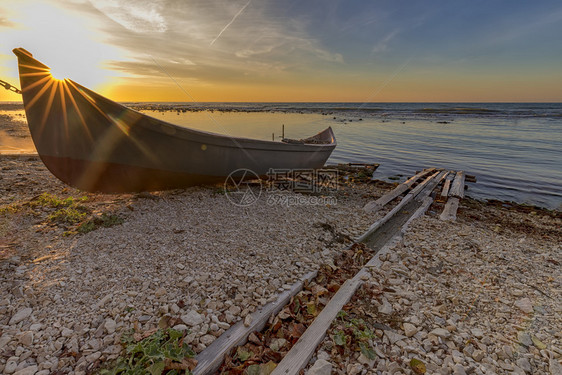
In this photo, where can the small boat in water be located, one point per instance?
(95, 144)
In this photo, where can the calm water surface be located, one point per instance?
(514, 150)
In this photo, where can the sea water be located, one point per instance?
(514, 149)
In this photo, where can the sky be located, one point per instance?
(291, 51)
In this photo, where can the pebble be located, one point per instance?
(320, 367)
(20, 315)
(524, 364)
(26, 338)
(525, 305)
(180, 327)
(386, 307)
(440, 332)
(192, 318)
(207, 339)
(110, 326)
(409, 329)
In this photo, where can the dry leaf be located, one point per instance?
(418, 366)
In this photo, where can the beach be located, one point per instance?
(67, 297)
(78, 270)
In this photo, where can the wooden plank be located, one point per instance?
(377, 224)
(450, 210)
(374, 206)
(447, 186)
(300, 354)
(457, 188)
(210, 359)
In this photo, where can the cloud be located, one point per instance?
(383, 43)
(231, 21)
(4, 22)
(137, 16)
(190, 39)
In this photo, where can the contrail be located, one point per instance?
(231, 21)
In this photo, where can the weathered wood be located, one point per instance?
(470, 178)
(377, 224)
(450, 210)
(300, 354)
(457, 188)
(446, 186)
(210, 359)
(374, 206)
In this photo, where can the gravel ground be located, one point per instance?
(66, 298)
(478, 296)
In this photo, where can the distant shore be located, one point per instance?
(490, 141)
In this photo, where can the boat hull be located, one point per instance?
(95, 144)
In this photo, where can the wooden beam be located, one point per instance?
(450, 210)
(447, 186)
(210, 359)
(377, 224)
(299, 355)
(457, 188)
(374, 206)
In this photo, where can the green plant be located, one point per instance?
(69, 215)
(50, 200)
(162, 352)
(10, 209)
(105, 220)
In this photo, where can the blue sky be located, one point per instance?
(314, 50)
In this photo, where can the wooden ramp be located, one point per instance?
(421, 190)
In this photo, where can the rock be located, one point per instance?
(477, 355)
(393, 337)
(31, 370)
(524, 338)
(320, 367)
(554, 367)
(93, 357)
(366, 361)
(103, 301)
(525, 305)
(160, 292)
(248, 320)
(354, 369)
(459, 370)
(410, 329)
(524, 364)
(192, 318)
(20, 315)
(110, 325)
(207, 339)
(36, 327)
(4, 340)
(26, 338)
(66, 332)
(234, 310)
(277, 344)
(386, 307)
(440, 332)
(11, 365)
(477, 332)
(180, 327)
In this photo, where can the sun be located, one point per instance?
(64, 42)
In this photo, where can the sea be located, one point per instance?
(513, 149)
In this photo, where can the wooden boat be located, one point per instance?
(95, 144)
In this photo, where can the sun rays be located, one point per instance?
(63, 106)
